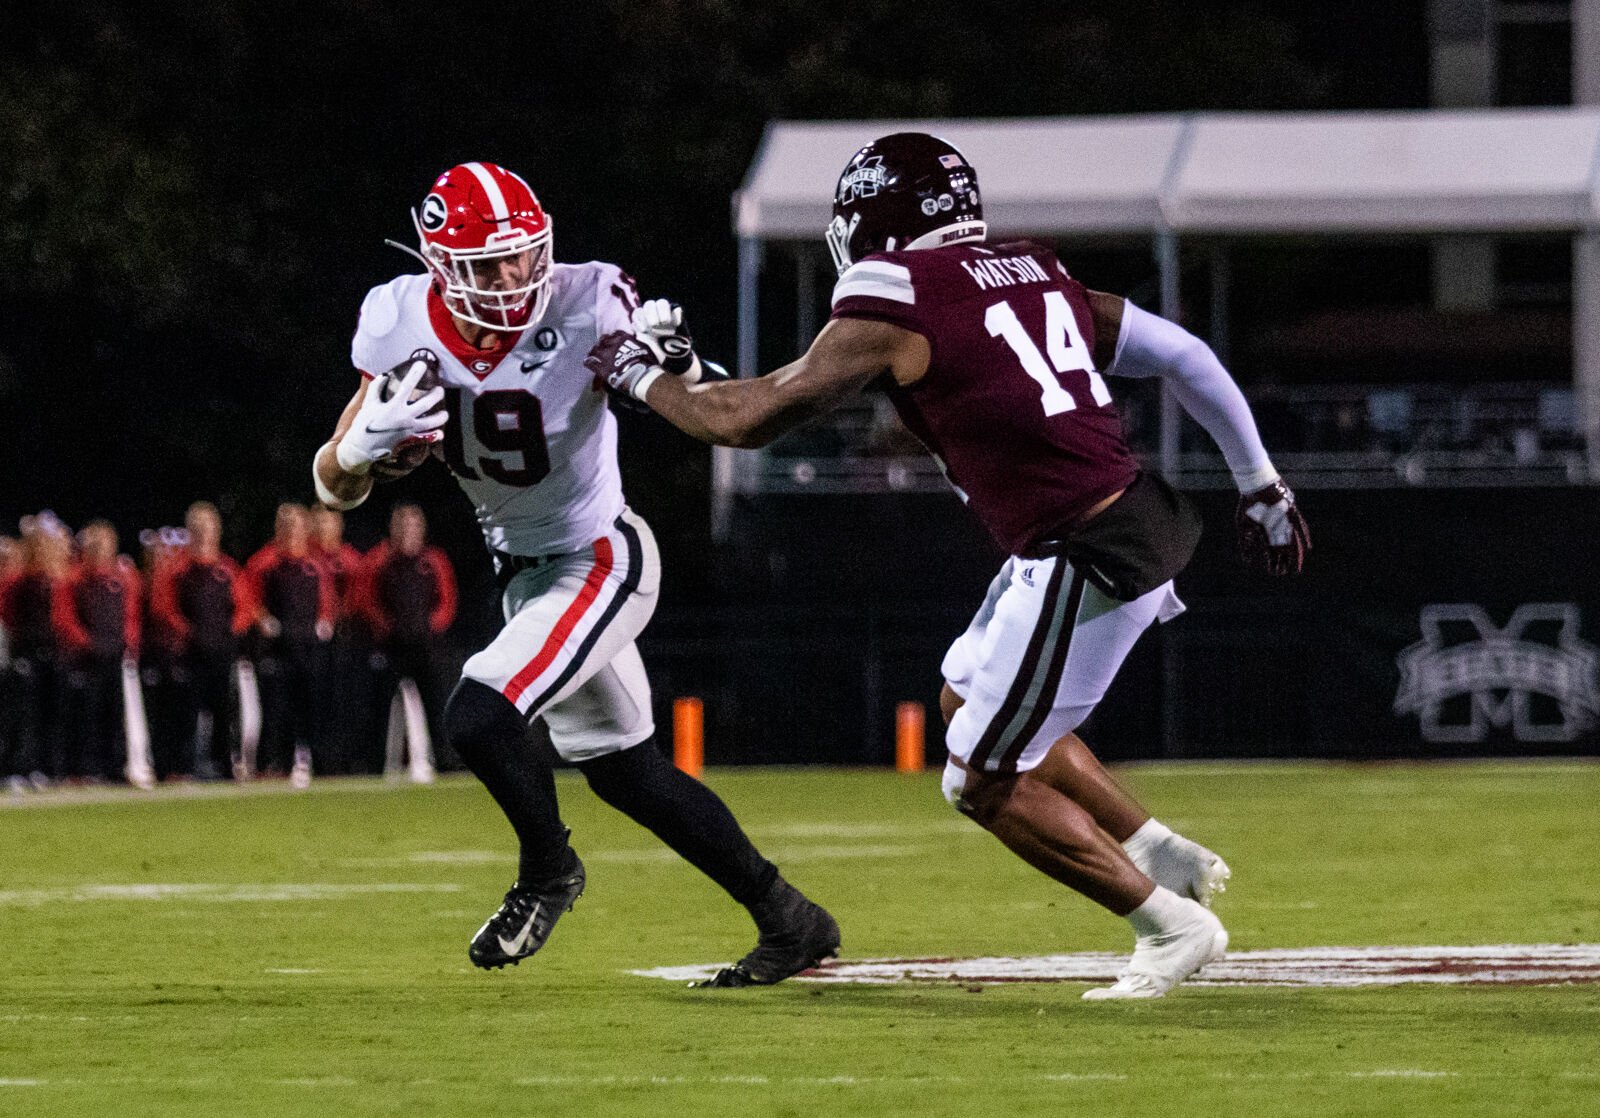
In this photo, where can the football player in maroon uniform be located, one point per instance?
(994, 357)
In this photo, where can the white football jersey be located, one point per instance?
(530, 438)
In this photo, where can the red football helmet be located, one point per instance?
(486, 240)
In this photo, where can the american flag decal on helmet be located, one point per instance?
(949, 161)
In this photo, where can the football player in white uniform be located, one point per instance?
(524, 427)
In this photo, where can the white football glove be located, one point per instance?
(380, 426)
(658, 323)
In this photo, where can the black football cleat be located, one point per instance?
(796, 934)
(523, 921)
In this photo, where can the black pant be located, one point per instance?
(33, 707)
(349, 725)
(208, 690)
(295, 679)
(98, 742)
(421, 661)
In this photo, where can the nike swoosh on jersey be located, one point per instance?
(530, 366)
(512, 946)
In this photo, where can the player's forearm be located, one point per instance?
(336, 486)
(727, 413)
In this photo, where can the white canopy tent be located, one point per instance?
(1419, 172)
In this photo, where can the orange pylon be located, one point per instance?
(688, 734)
(910, 749)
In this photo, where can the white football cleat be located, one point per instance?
(1187, 868)
(1162, 961)
(300, 774)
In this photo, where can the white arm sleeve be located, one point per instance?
(1151, 346)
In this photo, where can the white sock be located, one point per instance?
(1160, 911)
(1142, 843)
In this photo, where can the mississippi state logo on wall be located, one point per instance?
(1468, 676)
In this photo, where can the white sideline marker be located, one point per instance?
(1526, 964)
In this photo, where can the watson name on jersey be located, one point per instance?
(530, 438)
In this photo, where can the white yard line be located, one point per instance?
(633, 1082)
(217, 892)
(64, 796)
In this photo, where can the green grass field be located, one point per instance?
(316, 964)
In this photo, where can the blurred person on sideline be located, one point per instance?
(27, 609)
(204, 600)
(350, 672)
(410, 601)
(295, 603)
(99, 615)
(162, 675)
(10, 568)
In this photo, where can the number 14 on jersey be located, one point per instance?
(1069, 353)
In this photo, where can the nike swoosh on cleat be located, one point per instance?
(512, 946)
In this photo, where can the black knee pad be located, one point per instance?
(477, 718)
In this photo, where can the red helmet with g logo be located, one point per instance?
(486, 240)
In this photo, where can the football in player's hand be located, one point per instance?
(408, 455)
(389, 381)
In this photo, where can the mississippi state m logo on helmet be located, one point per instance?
(864, 180)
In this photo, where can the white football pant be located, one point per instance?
(1037, 658)
(567, 651)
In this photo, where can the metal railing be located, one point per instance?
(1322, 436)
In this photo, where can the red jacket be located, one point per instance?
(84, 604)
(345, 567)
(166, 605)
(427, 572)
(261, 573)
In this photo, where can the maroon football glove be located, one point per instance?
(1273, 537)
(625, 366)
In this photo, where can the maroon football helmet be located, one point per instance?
(908, 190)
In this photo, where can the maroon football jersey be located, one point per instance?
(1012, 406)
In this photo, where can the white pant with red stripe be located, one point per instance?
(1037, 658)
(567, 652)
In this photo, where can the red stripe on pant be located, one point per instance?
(592, 583)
